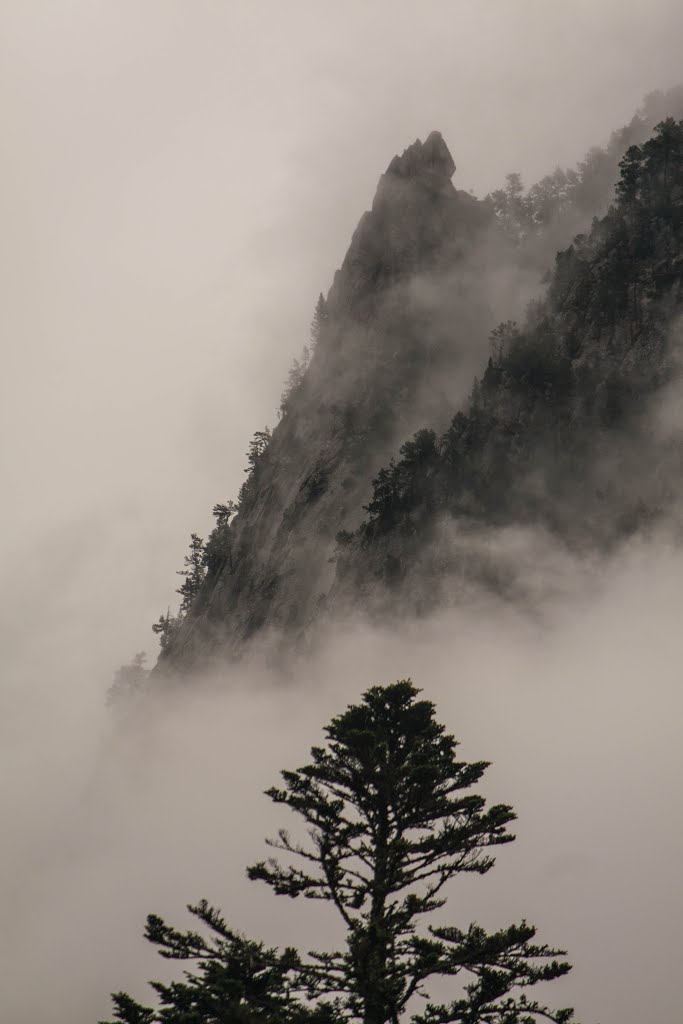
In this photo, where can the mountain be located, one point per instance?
(386, 340)
(560, 433)
(573, 428)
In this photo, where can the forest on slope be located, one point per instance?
(559, 432)
(181, 184)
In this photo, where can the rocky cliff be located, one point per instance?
(560, 432)
(392, 352)
(574, 428)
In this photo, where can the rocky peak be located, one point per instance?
(417, 220)
(429, 158)
(376, 375)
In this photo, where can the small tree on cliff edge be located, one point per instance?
(319, 320)
(390, 822)
(194, 573)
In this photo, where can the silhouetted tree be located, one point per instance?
(545, 217)
(297, 370)
(512, 208)
(237, 981)
(391, 820)
(258, 447)
(319, 320)
(194, 573)
(218, 548)
(166, 629)
(295, 379)
(224, 512)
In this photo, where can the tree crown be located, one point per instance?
(390, 820)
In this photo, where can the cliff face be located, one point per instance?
(387, 345)
(561, 432)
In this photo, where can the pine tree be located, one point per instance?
(295, 379)
(319, 320)
(238, 981)
(194, 573)
(166, 629)
(218, 548)
(391, 821)
(258, 448)
(297, 370)
(224, 512)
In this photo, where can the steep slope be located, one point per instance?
(390, 338)
(543, 219)
(560, 433)
(565, 430)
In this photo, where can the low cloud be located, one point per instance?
(577, 708)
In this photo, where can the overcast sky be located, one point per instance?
(181, 180)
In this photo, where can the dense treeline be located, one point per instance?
(554, 391)
(543, 218)
(535, 441)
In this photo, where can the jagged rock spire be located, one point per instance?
(418, 219)
(429, 157)
(376, 375)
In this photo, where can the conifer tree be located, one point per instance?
(223, 512)
(295, 378)
(194, 573)
(166, 629)
(237, 981)
(391, 821)
(258, 448)
(319, 319)
(297, 370)
(218, 548)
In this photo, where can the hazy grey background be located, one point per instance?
(180, 181)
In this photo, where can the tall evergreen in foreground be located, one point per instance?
(391, 820)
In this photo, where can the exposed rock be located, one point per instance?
(555, 435)
(381, 348)
(430, 158)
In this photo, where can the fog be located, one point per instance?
(181, 181)
(578, 708)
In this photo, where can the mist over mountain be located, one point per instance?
(560, 434)
(469, 475)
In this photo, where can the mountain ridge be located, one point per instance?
(406, 321)
(360, 393)
(560, 432)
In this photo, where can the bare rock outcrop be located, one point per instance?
(390, 334)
